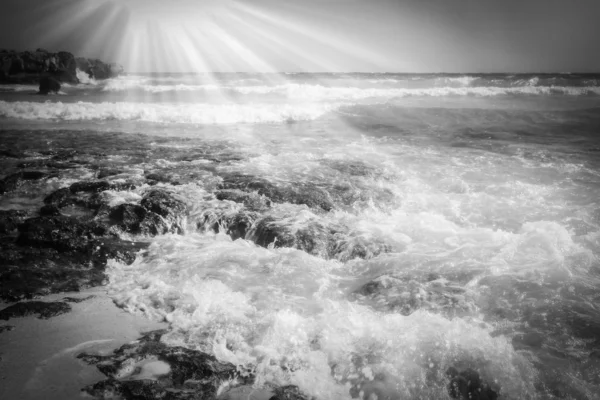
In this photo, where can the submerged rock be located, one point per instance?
(178, 373)
(12, 182)
(43, 309)
(405, 295)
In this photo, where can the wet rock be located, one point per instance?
(12, 153)
(406, 294)
(155, 178)
(48, 85)
(116, 249)
(289, 392)
(6, 328)
(27, 272)
(190, 374)
(128, 217)
(59, 198)
(103, 173)
(12, 182)
(351, 167)
(349, 248)
(61, 233)
(49, 210)
(297, 193)
(90, 186)
(10, 220)
(163, 204)
(252, 201)
(313, 238)
(269, 231)
(77, 299)
(467, 385)
(239, 225)
(43, 310)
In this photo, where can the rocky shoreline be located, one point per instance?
(49, 69)
(71, 227)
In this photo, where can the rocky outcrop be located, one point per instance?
(180, 373)
(49, 84)
(32, 66)
(97, 69)
(43, 310)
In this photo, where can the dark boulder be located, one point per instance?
(43, 310)
(163, 204)
(48, 85)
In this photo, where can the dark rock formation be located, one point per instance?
(10, 220)
(188, 374)
(296, 193)
(42, 309)
(29, 66)
(97, 69)
(13, 181)
(60, 233)
(49, 84)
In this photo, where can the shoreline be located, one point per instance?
(38, 357)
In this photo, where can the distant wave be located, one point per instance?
(458, 86)
(164, 113)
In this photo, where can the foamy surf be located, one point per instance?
(164, 113)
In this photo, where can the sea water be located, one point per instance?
(469, 206)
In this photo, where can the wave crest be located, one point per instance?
(164, 113)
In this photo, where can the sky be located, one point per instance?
(314, 35)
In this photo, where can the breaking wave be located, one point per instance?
(164, 113)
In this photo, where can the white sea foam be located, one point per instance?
(85, 78)
(284, 312)
(164, 113)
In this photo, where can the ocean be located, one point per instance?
(394, 227)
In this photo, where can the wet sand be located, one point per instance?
(38, 357)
